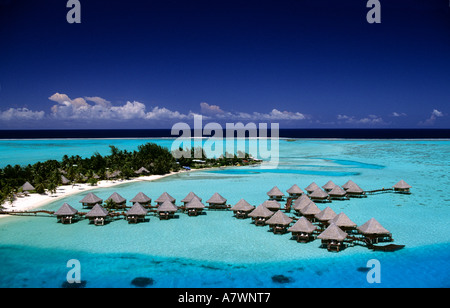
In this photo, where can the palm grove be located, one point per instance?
(47, 176)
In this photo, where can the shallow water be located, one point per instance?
(217, 250)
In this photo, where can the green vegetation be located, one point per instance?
(120, 164)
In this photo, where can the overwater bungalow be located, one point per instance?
(136, 213)
(295, 191)
(348, 184)
(194, 207)
(312, 187)
(333, 238)
(342, 221)
(337, 193)
(374, 232)
(189, 198)
(329, 186)
(97, 215)
(279, 222)
(275, 194)
(142, 199)
(353, 190)
(319, 195)
(217, 202)
(272, 205)
(402, 187)
(300, 203)
(310, 211)
(119, 201)
(90, 200)
(242, 208)
(325, 216)
(165, 197)
(260, 215)
(66, 213)
(166, 210)
(302, 230)
(142, 171)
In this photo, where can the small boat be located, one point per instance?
(390, 247)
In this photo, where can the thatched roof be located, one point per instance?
(118, 199)
(326, 214)
(312, 187)
(137, 209)
(261, 211)
(27, 187)
(301, 202)
(279, 218)
(295, 190)
(164, 197)
(95, 176)
(333, 232)
(276, 192)
(348, 184)
(342, 220)
(91, 198)
(216, 199)
(242, 205)
(64, 180)
(329, 185)
(167, 206)
(318, 193)
(303, 225)
(141, 170)
(402, 185)
(97, 211)
(337, 191)
(272, 204)
(195, 203)
(141, 198)
(66, 210)
(372, 226)
(310, 209)
(190, 196)
(354, 188)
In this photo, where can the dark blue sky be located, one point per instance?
(149, 64)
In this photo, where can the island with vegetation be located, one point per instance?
(148, 159)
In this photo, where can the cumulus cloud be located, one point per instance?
(432, 119)
(21, 114)
(398, 114)
(370, 119)
(206, 108)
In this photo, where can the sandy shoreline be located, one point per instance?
(34, 201)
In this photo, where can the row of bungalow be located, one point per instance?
(330, 191)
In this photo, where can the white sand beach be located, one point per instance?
(33, 201)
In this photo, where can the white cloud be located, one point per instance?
(370, 119)
(21, 114)
(434, 115)
(210, 109)
(398, 114)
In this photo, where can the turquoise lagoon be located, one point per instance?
(217, 250)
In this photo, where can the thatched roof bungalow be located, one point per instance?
(325, 216)
(312, 187)
(189, 198)
(90, 200)
(142, 171)
(302, 230)
(402, 187)
(275, 194)
(66, 213)
(333, 238)
(374, 232)
(300, 203)
(194, 207)
(329, 186)
(118, 200)
(342, 221)
(64, 180)
(279, 222)
(319, 195)
(337, 193)
(217, 202)
(165, 197)
(166, 210)
(353, 190)
(135, 213)
(310, 211)
(272, 205)
(97, 215)
(27, 187)
(242, 208)
(295, 191)
(142, 199)
(260, 215)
